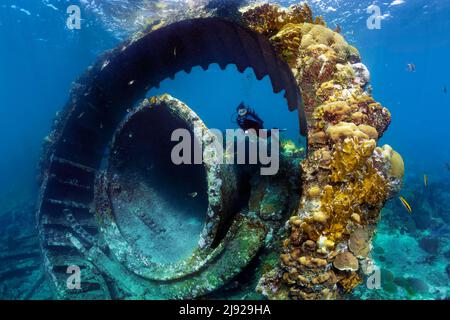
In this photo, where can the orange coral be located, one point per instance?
(266, 19)
(364, 186)
(346, 178)
(287, 42)
(300, 13)
(349, 158)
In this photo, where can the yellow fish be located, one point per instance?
(406, 204)
(425, 180)
(192, 195)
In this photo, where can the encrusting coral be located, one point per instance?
(359, 243)
(346, 261)
(269, 19)
(346, 177)
(331, 199)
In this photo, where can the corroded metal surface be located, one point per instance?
(142, 138)
(74, 150)
(111, 265)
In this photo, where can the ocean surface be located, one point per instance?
(40, 57)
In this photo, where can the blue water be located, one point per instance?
(40, 58)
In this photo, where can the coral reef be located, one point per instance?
(311, 225)
(412, 250)
(346, 178)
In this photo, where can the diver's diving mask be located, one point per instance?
(242, 112)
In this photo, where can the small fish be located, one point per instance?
(192, 194)
(445, 89)
(131, 82)
(406, 204)
(425, 180)
(175, 51)
(411, 67)
(447, 166)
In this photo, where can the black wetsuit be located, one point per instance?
(250, 121)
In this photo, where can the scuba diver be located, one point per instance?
(248, 119)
